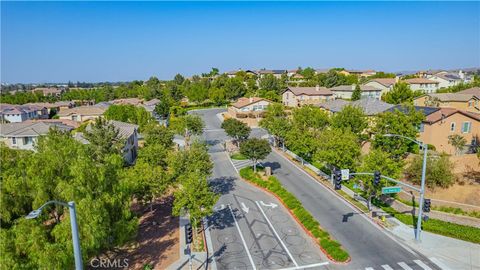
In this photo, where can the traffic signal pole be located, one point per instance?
(422, 193)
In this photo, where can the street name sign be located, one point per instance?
(389, 190)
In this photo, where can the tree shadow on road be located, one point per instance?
(273, 165)
(222, 219)
(223, 185)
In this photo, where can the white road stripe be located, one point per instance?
(229, 159)
(387, 267)
(369, 268)
(439, 263)
(276, 234)
(421, 264)
(305, 266)
(405, 266)
(243, 239)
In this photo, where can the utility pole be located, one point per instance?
(422, 193)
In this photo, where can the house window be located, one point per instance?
(466, 126)
(470, 103)
(27, 140)
(421, 127)
(74, 117)
(14, 140)
(452, 126)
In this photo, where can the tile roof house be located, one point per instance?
(474, 91)
(127, 101)
(49, 91)
(277, 73)
(440, 123)
(446, 79)
(370, 106)
(385, 84)
(299, 96)
(233, 73)
(422, 84)
(19, 113)
(466, 102)
(82, 113)
(346, 91)
(248, 107)
(25, 135)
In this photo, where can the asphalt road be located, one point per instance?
(369, 246)
(250, 228)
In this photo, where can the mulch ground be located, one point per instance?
(157, 241)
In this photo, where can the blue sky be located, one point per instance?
(119, 41)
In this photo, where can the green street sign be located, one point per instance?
(389, 190)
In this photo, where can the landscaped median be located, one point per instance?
(332, 248)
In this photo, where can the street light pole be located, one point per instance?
(75, 237)
(422, 185)
(422, 193)
(73, 223)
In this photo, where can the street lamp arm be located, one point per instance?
(404, 137)
(53, 202)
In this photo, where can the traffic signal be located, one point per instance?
(337, 178)
(188, 233)
(376, 178)
(426, 205)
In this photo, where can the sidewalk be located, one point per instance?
(446, 252)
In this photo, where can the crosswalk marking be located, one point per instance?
(439, 263)
(421, 264)
(404, 266)
(369, 268)
(387, 267)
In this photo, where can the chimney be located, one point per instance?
(317, 88)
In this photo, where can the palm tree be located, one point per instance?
(458, 142)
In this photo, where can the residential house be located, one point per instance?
(292, 72)
(248, 107)
(233, 73)
(370, 106)
(277, 73)
(422, 84)
(385, 84)
(321, 71)
(446, 79)
(440, 123)
(19, 113)
(49, 106)
(444, 122)
(49, 91)
(127, 132)
(361, 73)
(346, 91)
(82, 113)
(474, 91)
(61, 105)
(466, 102)
(127, 101)
(299, 96)
(25, 135)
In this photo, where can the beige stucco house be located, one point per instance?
(444, 122)
(82, 113)
(421, 84)
(465, 102)
(385, 84)
(248, 107)
(299, 96)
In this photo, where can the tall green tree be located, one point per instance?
(339, 148)
(276, 122)
(236, 129)
(357, 93)
(187, 126)
(401, 93)
(439, 171)
(309, 117)
(405, 122)
(255, 149)
(350, 118)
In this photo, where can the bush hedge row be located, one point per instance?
(332, 247)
